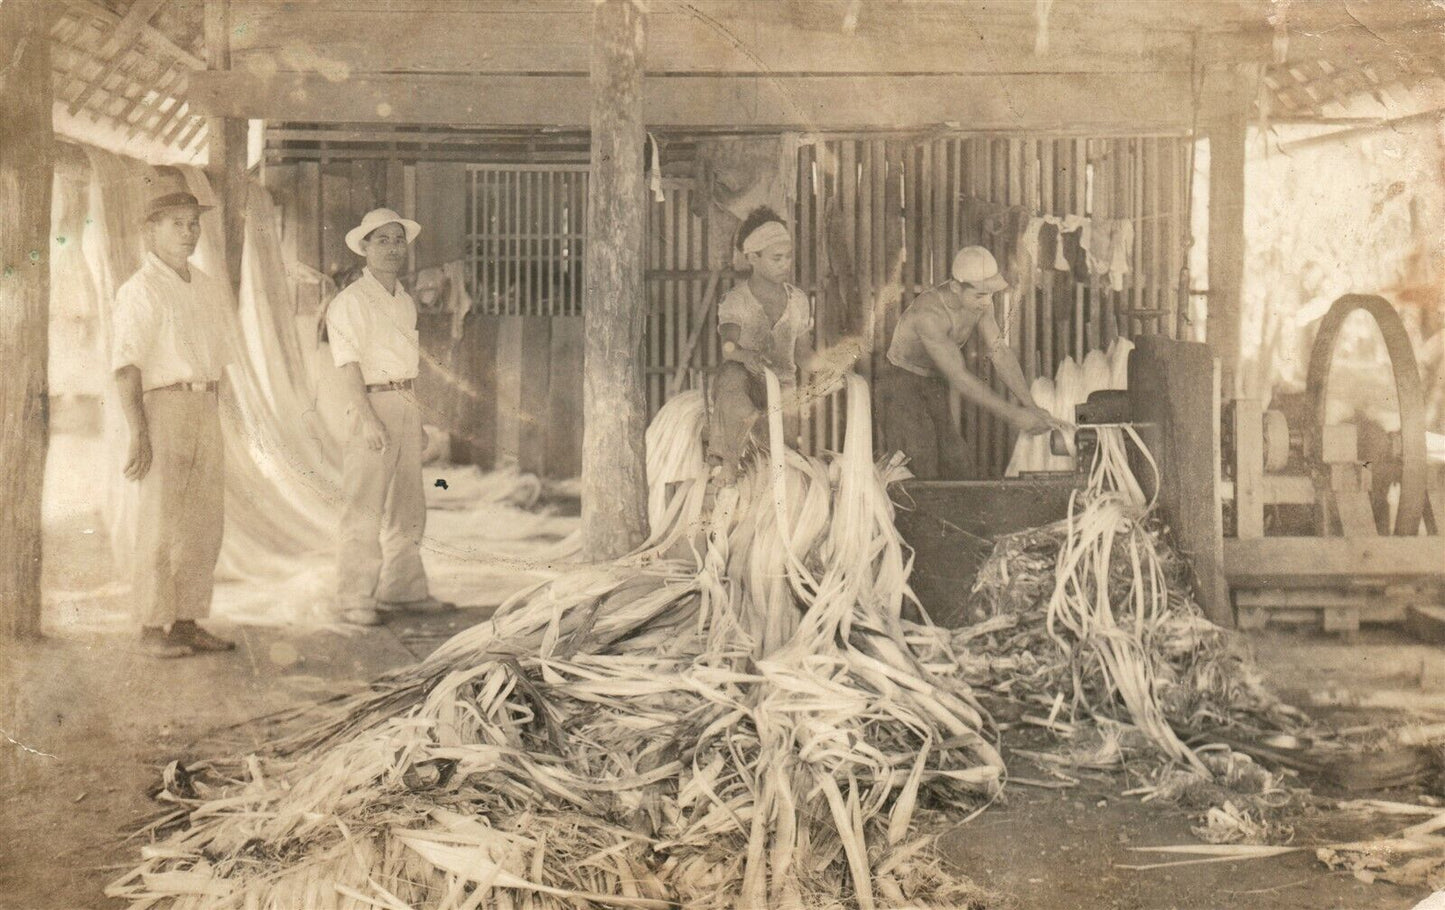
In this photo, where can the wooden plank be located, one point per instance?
(509, 390)
(535, 403)
(478, 419)
(305, 225)
(1226, 243)
(699, 37)
(1174, 386)
(336, 217)
(27, 167)
(1315, 561)
(564, 404)
(1248, 468)
(441, 200)
(1076, 104)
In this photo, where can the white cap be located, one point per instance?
(976, 267)
(375, 219)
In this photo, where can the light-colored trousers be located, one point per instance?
(384, 513)
(180, 512)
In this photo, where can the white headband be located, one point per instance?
(765, 235)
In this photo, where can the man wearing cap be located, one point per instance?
(925, 360)
(169, 345)
(371, 326)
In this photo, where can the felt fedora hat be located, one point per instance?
(976, 267)
(178, 200)
(375, 219)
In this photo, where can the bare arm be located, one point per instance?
(354, 387)
(1005, 360)
(948, 360)
(732, 348)
(132, 403)
(804, 357)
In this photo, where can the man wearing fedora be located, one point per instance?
(925, 361)
(169, 346)
(371, 326)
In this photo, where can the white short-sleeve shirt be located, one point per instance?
(368, 326)
(774, 340)
(171, 329)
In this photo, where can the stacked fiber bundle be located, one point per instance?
(736, 715)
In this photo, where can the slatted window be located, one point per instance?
(526, 227)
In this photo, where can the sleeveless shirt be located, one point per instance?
(907, 352)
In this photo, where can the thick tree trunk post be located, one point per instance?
(614, 476)
(1226, 246)
(27, 156)
(226, 152)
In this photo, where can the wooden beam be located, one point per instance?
(127, 31)
(614, 477)
(27, 156)
(226, 150)
(1370, 127)
(1323, 561)
(1076, 104)
(693, 37)
(1226, 246)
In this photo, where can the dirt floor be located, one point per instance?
(91, 724)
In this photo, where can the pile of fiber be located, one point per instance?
(1094, 615)
(735, 715)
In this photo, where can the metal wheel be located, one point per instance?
(1408, 396)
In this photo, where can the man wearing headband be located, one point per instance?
(169, 346)
(371, 326)
(764, 323)
(925, 360)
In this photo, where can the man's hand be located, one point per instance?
(138, 456)
(373, 432)
(1035, 420)
(750, 359)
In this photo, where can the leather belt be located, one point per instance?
(401, 385)
(186, 387)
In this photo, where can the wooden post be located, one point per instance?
(614, 477)
(226, 153)
(27, 155)
(1226, 246)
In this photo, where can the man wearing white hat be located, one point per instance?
(925, 360)
(169, 345)
(371, 326)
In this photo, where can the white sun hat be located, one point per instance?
(375, 219)
(976, 266)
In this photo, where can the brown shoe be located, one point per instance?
(199, 639)
(156, 642)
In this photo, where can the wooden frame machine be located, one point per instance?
(1312, 538)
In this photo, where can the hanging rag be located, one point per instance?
(458, 302)
(1074, 252)
(1096, 243)
(1121, 245)
(429, 290)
